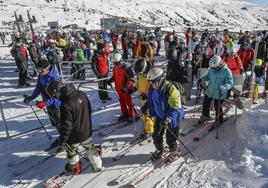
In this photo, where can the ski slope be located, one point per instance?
(238, 159)
(169, 14)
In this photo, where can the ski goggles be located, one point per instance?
(42, 70)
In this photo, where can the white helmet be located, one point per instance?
(116, 57)
(215, 61)
(231, 51)
(51, 41)
(155, 74)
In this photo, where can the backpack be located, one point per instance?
(79, 55)
(144, 49)
(178, 87)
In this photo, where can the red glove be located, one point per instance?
(41, 105)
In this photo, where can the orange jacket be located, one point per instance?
(149, 51)
(246, 56)
(234, 64)
(121, 78)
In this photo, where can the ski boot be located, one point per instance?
(76, 168)
(156, 155)
(203, 119)
(123, 117)
(133, 119)
(174, 155)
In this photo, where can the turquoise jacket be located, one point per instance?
(214, 79)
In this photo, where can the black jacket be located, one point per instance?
(75, 116)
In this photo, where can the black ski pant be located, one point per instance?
(158, 47)
(170, 138)
(125, 54)
(103, 93)
(206, 107)
(22, 72)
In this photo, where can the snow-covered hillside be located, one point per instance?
(170, 14)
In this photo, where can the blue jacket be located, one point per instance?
(165, 106)
(41, 85)
(214, 79)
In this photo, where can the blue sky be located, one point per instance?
(262, 2)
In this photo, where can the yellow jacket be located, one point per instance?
(142, 84)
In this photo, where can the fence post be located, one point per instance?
(4, 119)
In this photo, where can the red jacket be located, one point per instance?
(100, 63)
(234, 64)
(121, 78)
(23, 52)
(246, 56)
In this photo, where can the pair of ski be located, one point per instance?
(147, 168)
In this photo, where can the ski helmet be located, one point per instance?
(42, 65)
(116, 57)
(140, 66)
(231, 51)
(155, 74)
(181, 42)
(172, 54)
(51, 41)
(248, 41)
(215, 62)
(54, 88)
(258, 63)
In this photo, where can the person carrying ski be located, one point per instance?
(122, 77)
(76, 125)
(100, 67)
(164, 105)
(216, 82)
(141, 68)
(19, 52)
(47, 73)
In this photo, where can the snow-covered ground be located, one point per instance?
(169, 14)
(238, 159)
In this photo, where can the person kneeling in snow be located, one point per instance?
(164, 104)
(76, 125)
(216, 82)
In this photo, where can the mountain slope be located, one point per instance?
(232, 14)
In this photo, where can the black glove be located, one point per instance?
(27, 98)
(144, 108)
(124, 89)
(143, 96)
(99, 76)
(132, 90)
(109, 82)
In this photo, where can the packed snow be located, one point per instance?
(238, 159)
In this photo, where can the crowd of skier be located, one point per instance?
(128, 59)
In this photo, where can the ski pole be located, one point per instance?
(181, 143)
(218, 119)
(40, 121)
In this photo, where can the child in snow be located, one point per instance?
(259, 72)
(141, 68)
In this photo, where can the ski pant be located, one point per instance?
(158, 47)
(125, 53)
(170, 138)
(22, 72)
(147, 121)
(35, 61)
(78, 71)
(256, 91)
(206, 108)
(91, 152)
(54, 117)
(87, 53)
(126, 104)
(103, 93)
